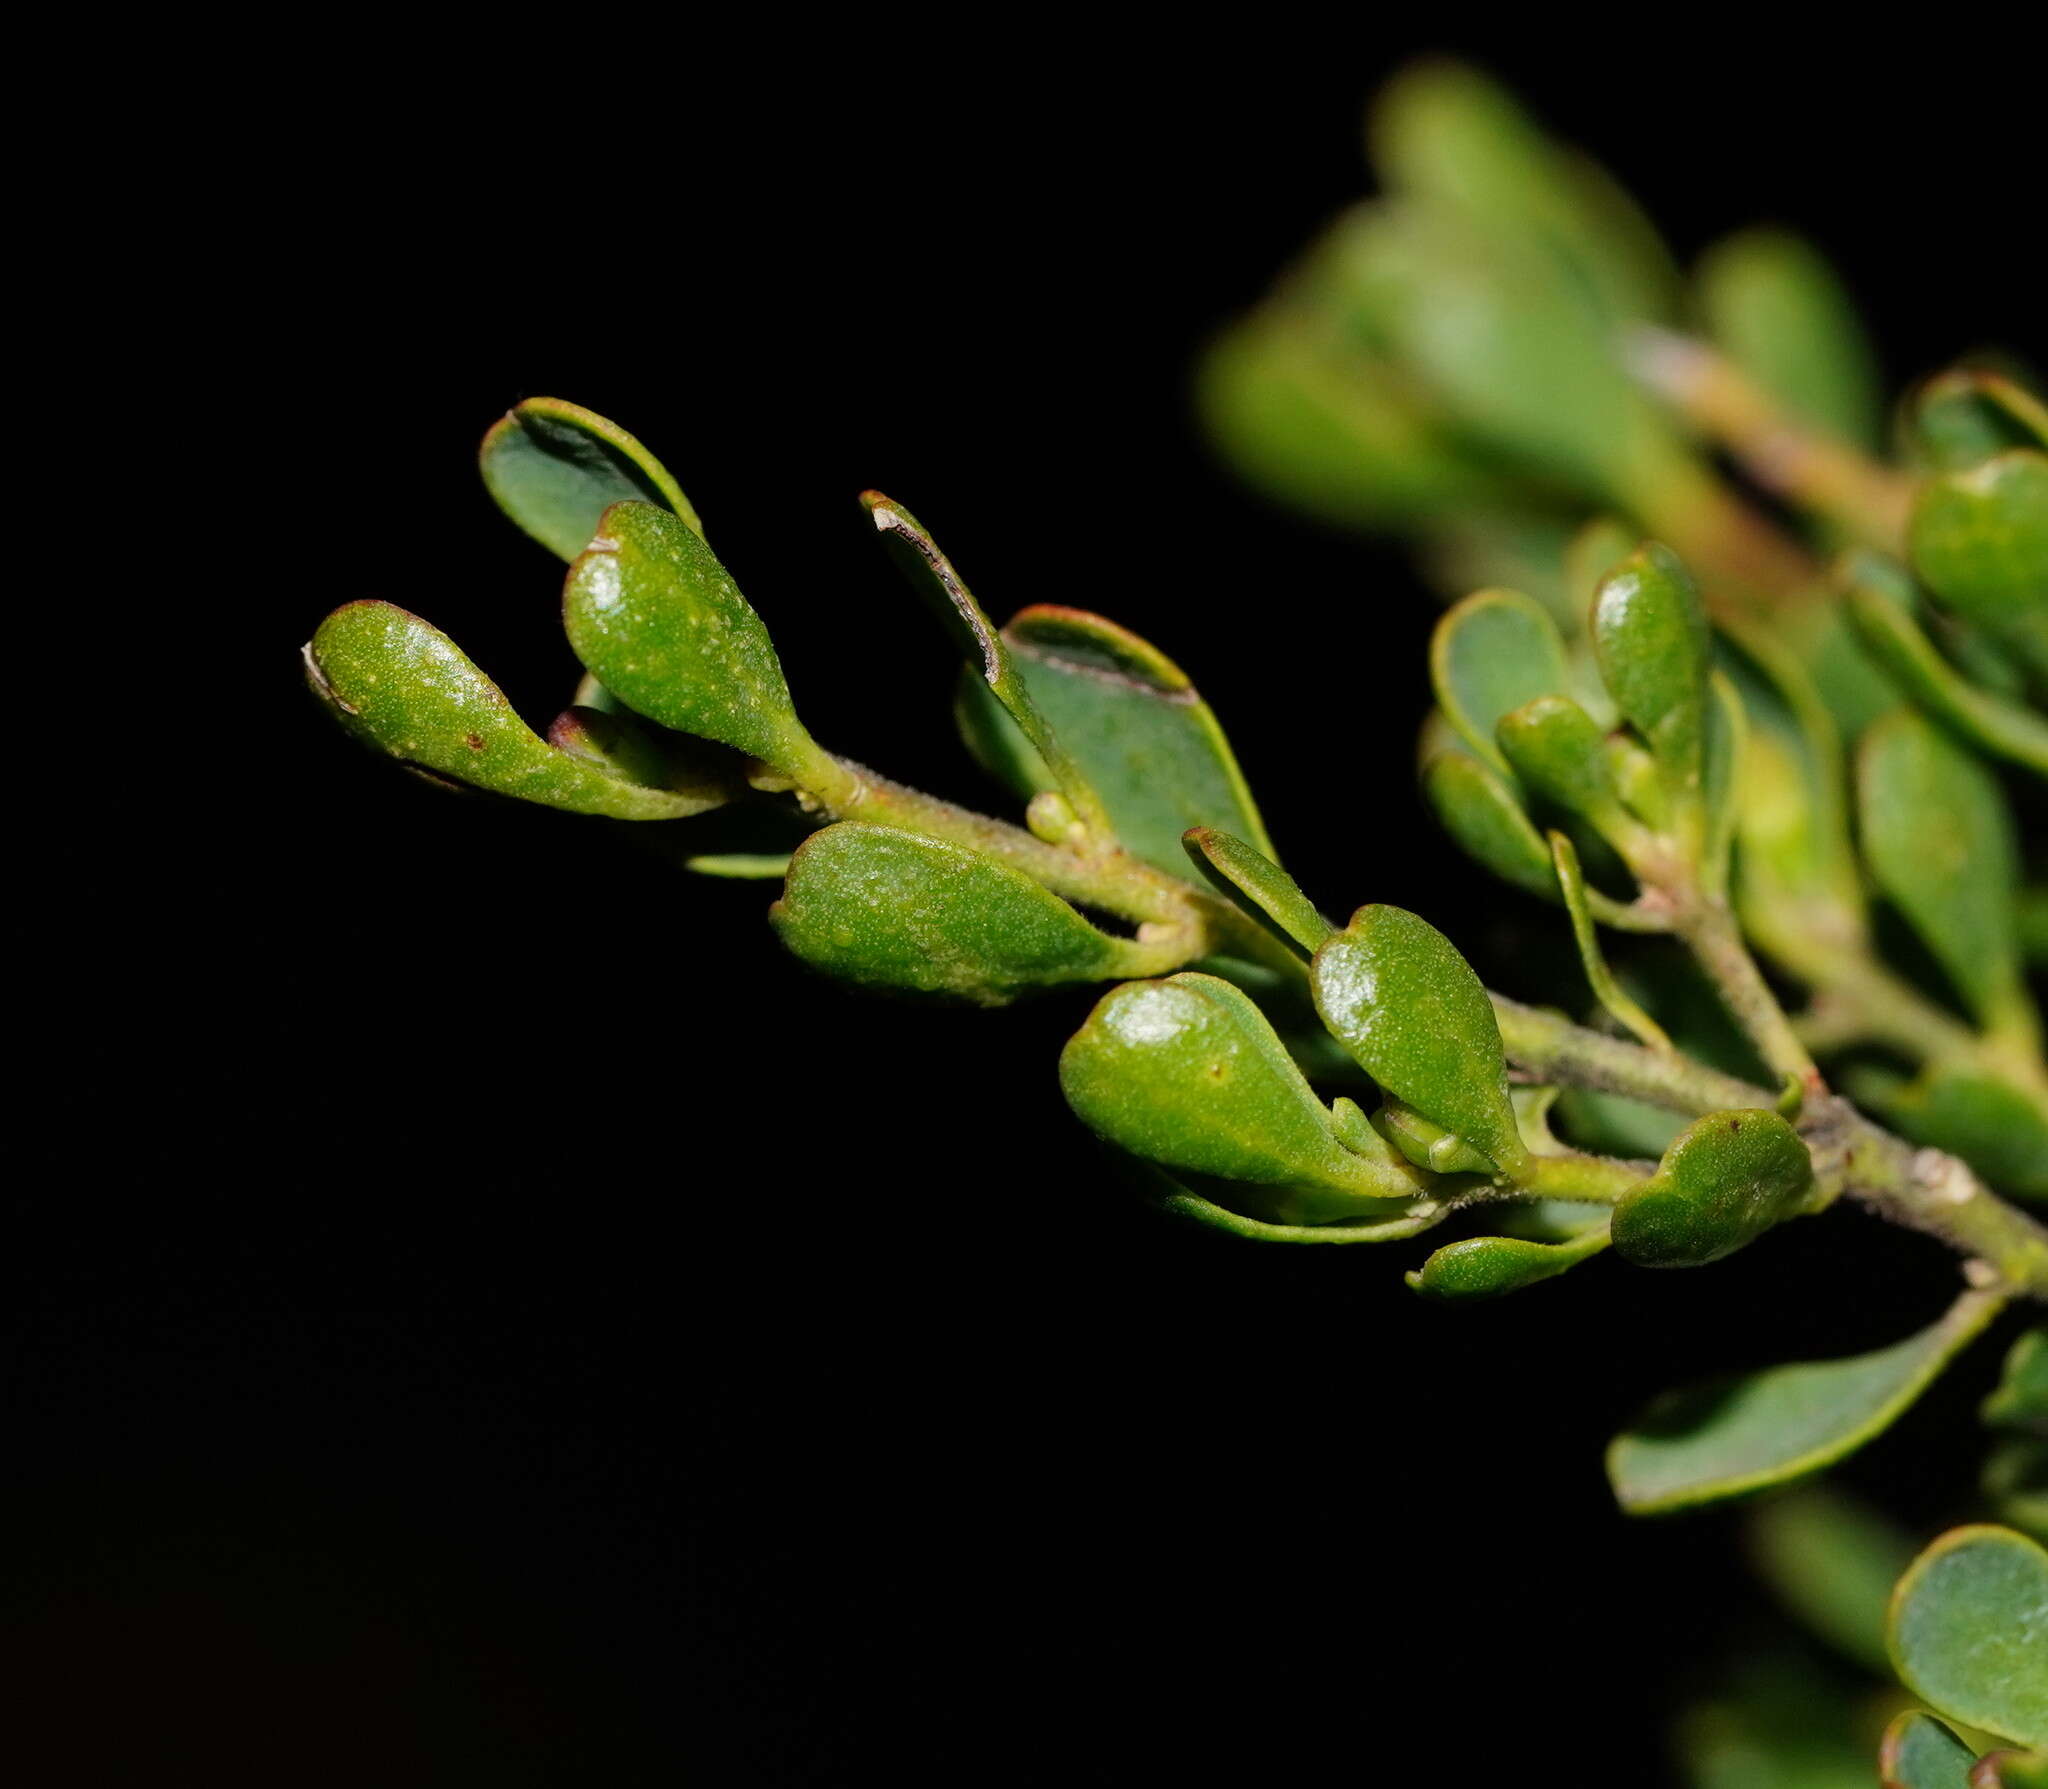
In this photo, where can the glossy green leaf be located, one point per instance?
(1553, 745)
(555, 468)
(1832, 1561)
(1571, 880)
(1261, 886)
(986, 649)
(1747, 1433)
(1650, 636)
(1596, 550)
(402, 686)
(1188, 1073)
(1395, 992)
(1969, 1631)
(659, 622)
(1962, 417)
(1487, 1266)
(2011, 1770)
(1480, 809)
(1489, 655)
(1979, 541)
(1938, 838)
(892, 909)
(1132, 722)
(2021, 1400)
(1879, 606)
(1919, 1752)
(1775, 307)
(1725, 1180)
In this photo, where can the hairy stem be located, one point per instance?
(1710, 932)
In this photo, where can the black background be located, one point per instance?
(477, 1313)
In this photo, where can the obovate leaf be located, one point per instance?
(1553, 745)
(1650, 636)
(1480, 809)
(1725, 1180)
(1132, 722)
(1832, 1561)
(1964, 416)
(893, 909)
(555, 468)
(1187, 1073)
(1776, 309)
(1969, 1631)
(1395, 992)
(1920, 1753)
(1979, 541)
(1749, 1432)
(659, 622)
(401, 685)
(1938, 838)
(1878, 602)
(1489, 655)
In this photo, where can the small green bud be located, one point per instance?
(1553, 745)
(1725, 1180)
(1187, 1073)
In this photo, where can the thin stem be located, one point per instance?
(1809, 468)
(1710, 932)
(1924, 1189)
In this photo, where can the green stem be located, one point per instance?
(1924, 1189)
(1710, 932)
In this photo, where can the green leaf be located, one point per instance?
(402, 686)
(1606, 989)
(1725, 1180)
(1176, 1200)
(1446, 132)
(1267, 892)
(1650, 636)
(1920, 1753)
(1993, 1125)
(741, 866)
(892, 909)
(555, 468)
(1979, 541)
(1187, 1073)
(1394, 991)
(1486, 1266)
(1878, 603)
(986, 650)
(2021, 1400)
(1774, 305)
(1756, 1430)
(2011, 1770)
(1480, 809)
(1832, 1561)
(1489, 655)
(1309, 418)
(1553, 745)
(1938, 838)
(1962, 417)
(2015, 1480)
(659, 622)
(1969, 1631)
(1134, 725)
